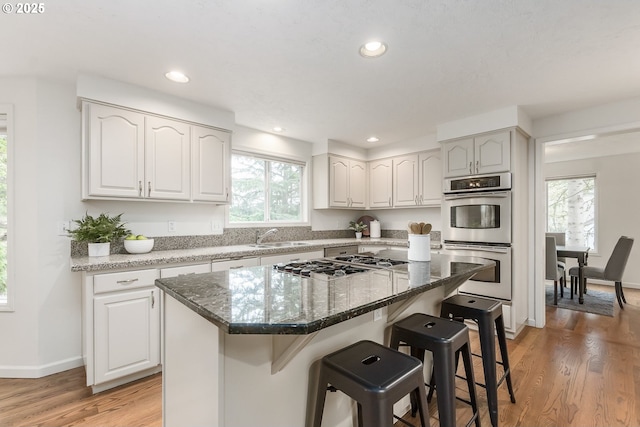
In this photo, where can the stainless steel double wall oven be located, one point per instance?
(476, 219)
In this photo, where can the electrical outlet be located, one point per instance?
(171, 226)
(377, 314)
(61, 228)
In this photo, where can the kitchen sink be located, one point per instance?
(279, 245)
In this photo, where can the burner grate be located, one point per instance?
(369, 260)
(319, 267)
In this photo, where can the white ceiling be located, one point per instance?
(295, 63)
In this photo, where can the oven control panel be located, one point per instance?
(501, 181)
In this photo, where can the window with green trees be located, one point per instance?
(265, 190)
(571, 209)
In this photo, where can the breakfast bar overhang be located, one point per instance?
(238, 345)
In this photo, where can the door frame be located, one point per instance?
(537, 300)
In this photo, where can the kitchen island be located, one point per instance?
(239, 346)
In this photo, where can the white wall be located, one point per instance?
(19, 329)
(397, 219)
(42, 334)
(618, 208)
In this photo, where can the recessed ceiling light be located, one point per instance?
(278, 129)
(177, 76)
(373, 139)
(373, 49)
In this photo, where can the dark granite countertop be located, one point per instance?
(261, 300)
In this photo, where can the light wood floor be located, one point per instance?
(580, 370)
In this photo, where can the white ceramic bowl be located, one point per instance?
(138, 246)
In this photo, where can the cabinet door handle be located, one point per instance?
(421, 199)
(389, 201)
(470, 167)
(126, 282)
(149, 190)
(139, 188)
(227, 194)
(236, 267)
(153, 299)
(477, 164)
(294, 259)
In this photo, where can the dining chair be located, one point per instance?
(613, 271)
(562, 262)
(552, 270)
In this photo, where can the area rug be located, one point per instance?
(597, 302)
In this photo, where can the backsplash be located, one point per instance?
(243, 236)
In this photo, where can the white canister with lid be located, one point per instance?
(374, 229)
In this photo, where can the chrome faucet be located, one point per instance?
(260, 237)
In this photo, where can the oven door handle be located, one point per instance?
(495, 249)
(493, 195)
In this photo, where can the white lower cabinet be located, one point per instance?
(121, 327)
(285, 258)
(234, 264)
(127, 333)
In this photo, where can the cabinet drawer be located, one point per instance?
(124, 280)
(185, 269)
(234, 264)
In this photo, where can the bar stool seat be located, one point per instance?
(375, 377)
(445, 339)
(486, 313)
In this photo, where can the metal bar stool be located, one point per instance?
(376, 377)
(485, 312)
(445, 339)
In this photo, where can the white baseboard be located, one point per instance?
(42, 370)
(610, 283)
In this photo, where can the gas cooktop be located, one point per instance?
(319, 267)
(369, 260)
(335, 267)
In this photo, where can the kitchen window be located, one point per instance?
(265, 190)
(571, 209)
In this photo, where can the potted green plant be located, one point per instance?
(358, 227)
(98, 232)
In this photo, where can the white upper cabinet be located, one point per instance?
(114, 154)
(357, 184)
(339, 182)
(135, 155)
(417, 179)
(430, 168)
(381, 183)
(458, 157)
(482, 154)
(493, 152)
(167, 164)
(211, 175)
(405, 181)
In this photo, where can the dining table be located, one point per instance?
(581, 253)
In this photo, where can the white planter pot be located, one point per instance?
(358, 235)
(99, 249)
